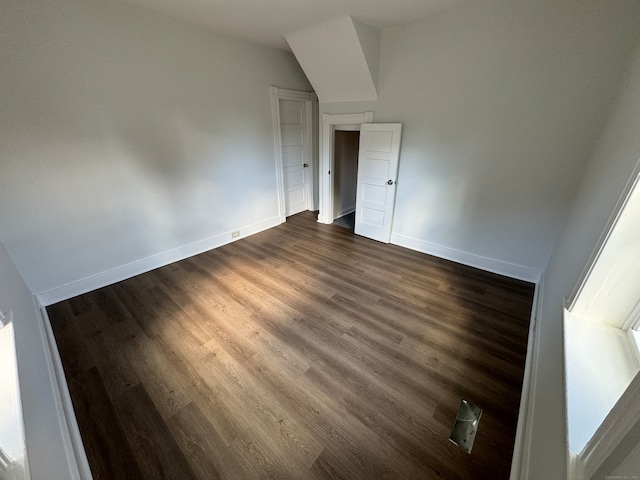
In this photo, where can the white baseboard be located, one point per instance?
(76, 458)
(324, 218)
(521, 454)
(522, 444)
(500, 267)
(147, 264)
(345, 212)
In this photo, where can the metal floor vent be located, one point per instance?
(464, 429)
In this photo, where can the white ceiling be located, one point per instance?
(267, 21)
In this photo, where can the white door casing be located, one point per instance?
(328, 126)
(377, 178)
(293, 137)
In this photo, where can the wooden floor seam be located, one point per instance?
(301, 352)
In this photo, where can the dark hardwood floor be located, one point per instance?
(302, 352)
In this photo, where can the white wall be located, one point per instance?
(47, 455)
(337, 56)
(125, 134)
(611, 165)
(501, 103)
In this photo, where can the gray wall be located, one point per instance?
(612, 163)
(629, 468)
(501, 104)
(125, 134)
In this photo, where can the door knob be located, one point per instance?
(305, 165)
(389, 182)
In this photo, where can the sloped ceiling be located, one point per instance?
(268, 21)
(340, 59)
(337, 42)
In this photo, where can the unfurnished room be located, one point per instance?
(304, 239)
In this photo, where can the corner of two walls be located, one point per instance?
(611, 163)
(497, 121)
(49, 455)
(129, 139)
(500, 123)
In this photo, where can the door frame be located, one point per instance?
(310, 101)
(327, 135)
(343, 128)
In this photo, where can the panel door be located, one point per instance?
(294, 161)
(377, 173)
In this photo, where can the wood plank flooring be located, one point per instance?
(302, 352)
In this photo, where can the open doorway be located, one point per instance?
(345, 177)
(378, 156)
(330, 124)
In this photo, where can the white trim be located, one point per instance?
(356, 127)
(524, 429)
(309, 99)
(634, 180)
(326, 157)
(633, 320)
(277, 147)
(613, 436)
(621, 427)
(570, 458)
(500, 267)
(633, 338)
(132, 269)
(308, 146)
(572, 465)
(315, 145)
(565, 396)
(11, 374)
(76, 455)
(295, 95)
(345, 212)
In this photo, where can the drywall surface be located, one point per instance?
(338, 58)
(345, 175)
(609, 169)
(370, 38)
(125, 134)
(500, 105)
(47, 456)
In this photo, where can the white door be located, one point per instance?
(377, 172)
(295, 153)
